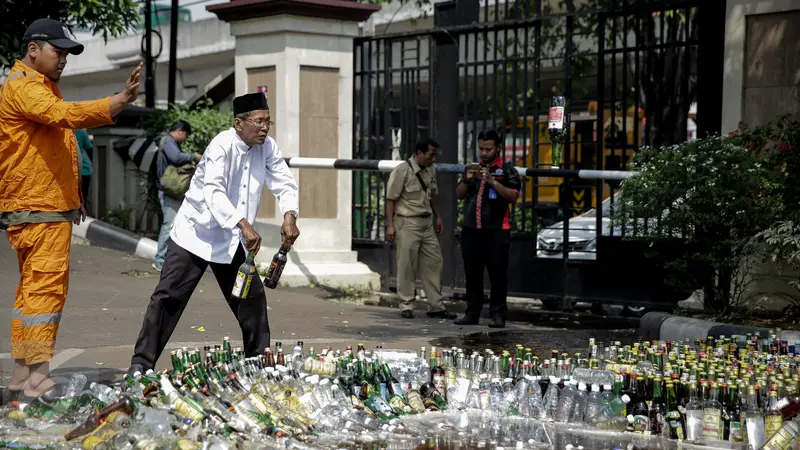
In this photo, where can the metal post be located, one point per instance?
(445, 131)
(149, 76)
(599, 164)
(173, 51)
(710, 66)
(566, 194)
(364, 136)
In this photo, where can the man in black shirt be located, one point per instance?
(488, 190)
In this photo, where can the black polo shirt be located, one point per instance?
(494, 209)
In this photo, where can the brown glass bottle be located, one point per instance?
(789, 406)
(276, 268)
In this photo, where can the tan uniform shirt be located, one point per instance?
(407, 192)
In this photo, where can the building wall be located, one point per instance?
(760, 80)
(771, 67)
(197, 72)
(205, 49)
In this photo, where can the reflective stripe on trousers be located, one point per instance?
(37, 319)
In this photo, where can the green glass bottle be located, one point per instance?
(244, 277)
(557, 128)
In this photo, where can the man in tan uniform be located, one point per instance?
(410, 210)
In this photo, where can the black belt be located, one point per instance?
(419, 216)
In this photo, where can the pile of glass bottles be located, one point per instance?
(737, 392)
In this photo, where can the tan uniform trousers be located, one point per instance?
(418, 252)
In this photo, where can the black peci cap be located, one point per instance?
(250, 102)
(53, 32)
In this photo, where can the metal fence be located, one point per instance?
(629, 69)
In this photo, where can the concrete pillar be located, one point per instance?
(301, 54)
(758, 83)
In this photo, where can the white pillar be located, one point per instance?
(302, 53)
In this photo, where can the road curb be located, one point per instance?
(102, 234)
(663, 326)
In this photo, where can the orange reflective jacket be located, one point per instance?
(38, 152)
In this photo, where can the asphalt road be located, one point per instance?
(109, 292)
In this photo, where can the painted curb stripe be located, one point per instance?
(663, 326)
(102, 234)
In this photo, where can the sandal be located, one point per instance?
(49, 396)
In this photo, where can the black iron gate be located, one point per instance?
(635, 72)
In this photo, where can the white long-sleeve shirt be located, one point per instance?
(225, 189)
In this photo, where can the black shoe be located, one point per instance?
(407, 314)
(135, 368)
(443, 314)
(467, 320)
(497, 322)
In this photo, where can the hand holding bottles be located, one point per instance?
(289, 231)
(252, 239)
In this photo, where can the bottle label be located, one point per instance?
(782, 440)
(274, 273)
(641, 424)
(772, 424)
(556, 117)
(736, 433)
(712, 423)
(675, 425)
(438, 382)
(246, 290)
(238, 284)
(415, 400)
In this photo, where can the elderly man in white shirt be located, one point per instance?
(213, 228)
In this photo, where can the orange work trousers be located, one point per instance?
(43, 257)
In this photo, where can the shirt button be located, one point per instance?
(245, 167)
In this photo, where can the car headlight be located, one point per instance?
(542, 244)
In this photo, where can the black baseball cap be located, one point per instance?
(53, 32)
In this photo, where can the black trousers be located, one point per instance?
(486, 248)
(180, 275)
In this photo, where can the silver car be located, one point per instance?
(582, 235)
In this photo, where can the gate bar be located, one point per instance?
(387, 165)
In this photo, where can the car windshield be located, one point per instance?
(606, 206)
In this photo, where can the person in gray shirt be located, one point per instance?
(171, 156)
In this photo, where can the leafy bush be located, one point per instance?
(206, 123)
(712, 193)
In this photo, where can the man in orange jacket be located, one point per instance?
(40, 193)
